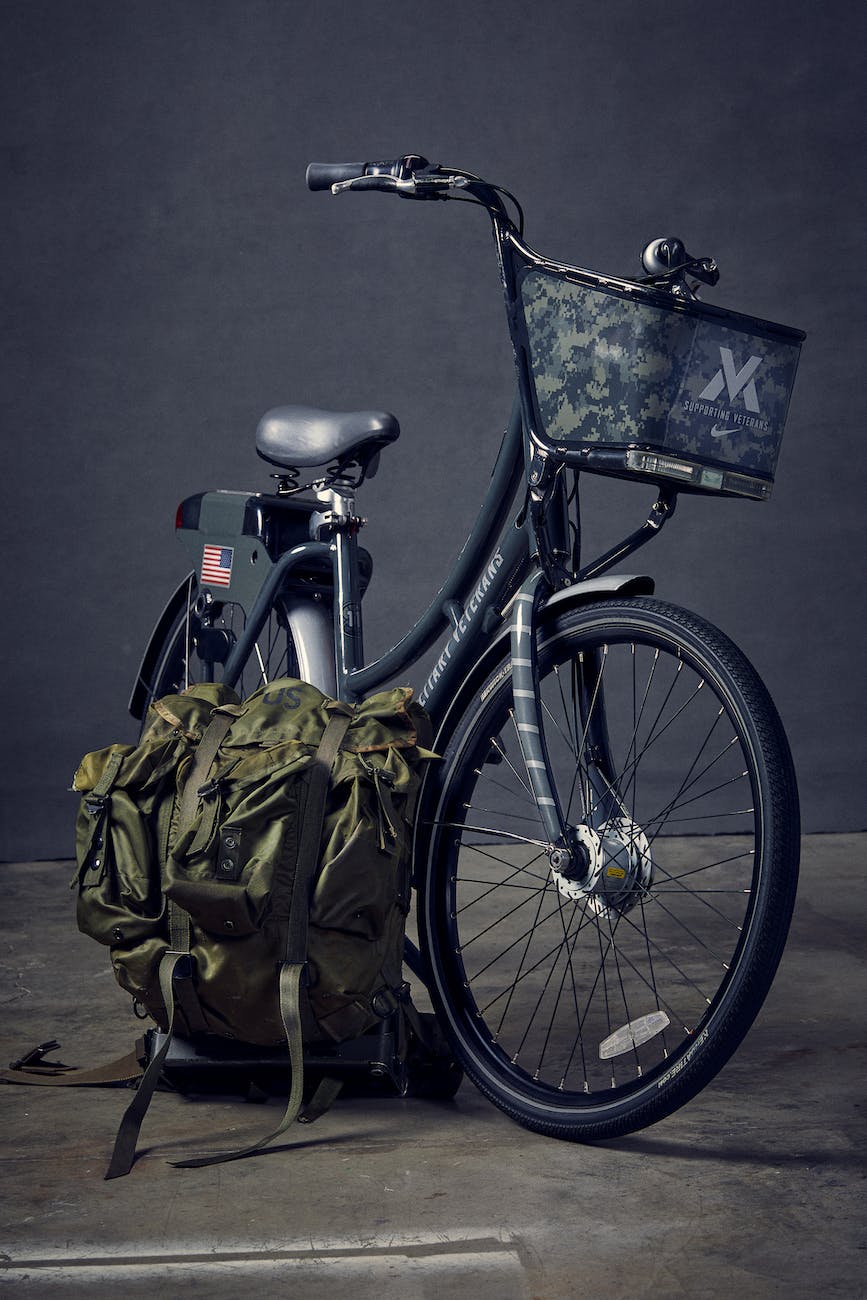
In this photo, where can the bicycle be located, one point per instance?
(606, 853)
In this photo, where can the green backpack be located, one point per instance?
(248, 866)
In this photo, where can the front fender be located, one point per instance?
(579, 593)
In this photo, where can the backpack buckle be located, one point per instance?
(95, 803)
(211, 788)
(35, 1056)
(386, 1000)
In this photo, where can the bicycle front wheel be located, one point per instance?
(588, 1010)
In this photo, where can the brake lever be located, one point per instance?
(386, 183)
(363, 183)
(409, 187)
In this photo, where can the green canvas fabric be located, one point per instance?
(231, 867)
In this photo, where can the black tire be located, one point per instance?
(432, 1071)
(178, 663)
(587, 1016)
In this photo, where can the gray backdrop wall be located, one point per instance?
(169, 278)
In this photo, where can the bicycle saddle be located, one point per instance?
(295, 437)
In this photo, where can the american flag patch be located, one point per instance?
(217, 565)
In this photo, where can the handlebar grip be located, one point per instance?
(321, 176)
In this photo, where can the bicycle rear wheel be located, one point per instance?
(194, 645)
(589, 1012)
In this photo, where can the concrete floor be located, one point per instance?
(755, 1189)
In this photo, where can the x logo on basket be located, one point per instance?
(735, 381)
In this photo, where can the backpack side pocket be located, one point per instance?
(127, 795)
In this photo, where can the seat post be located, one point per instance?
(340, 524)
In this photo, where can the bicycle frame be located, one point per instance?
(466, 607)
(498, 568)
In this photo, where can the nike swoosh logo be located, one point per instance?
(720, 432)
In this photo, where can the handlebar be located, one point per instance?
(397, 175)
(665, 260)
(411, 176)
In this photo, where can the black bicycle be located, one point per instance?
(607, 852)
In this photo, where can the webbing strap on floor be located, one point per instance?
(52, 1074)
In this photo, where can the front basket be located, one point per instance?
(629, 380)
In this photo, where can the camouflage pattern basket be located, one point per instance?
(628, 380)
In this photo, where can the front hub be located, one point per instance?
(619, 866)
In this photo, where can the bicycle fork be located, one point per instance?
(602, 855)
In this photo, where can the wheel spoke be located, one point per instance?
(178, 666)
(654, 738)
(501, 751)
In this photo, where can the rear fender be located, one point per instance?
(175, 606)
(309, 622)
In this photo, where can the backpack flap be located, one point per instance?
(362, 891)
(235, 883)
